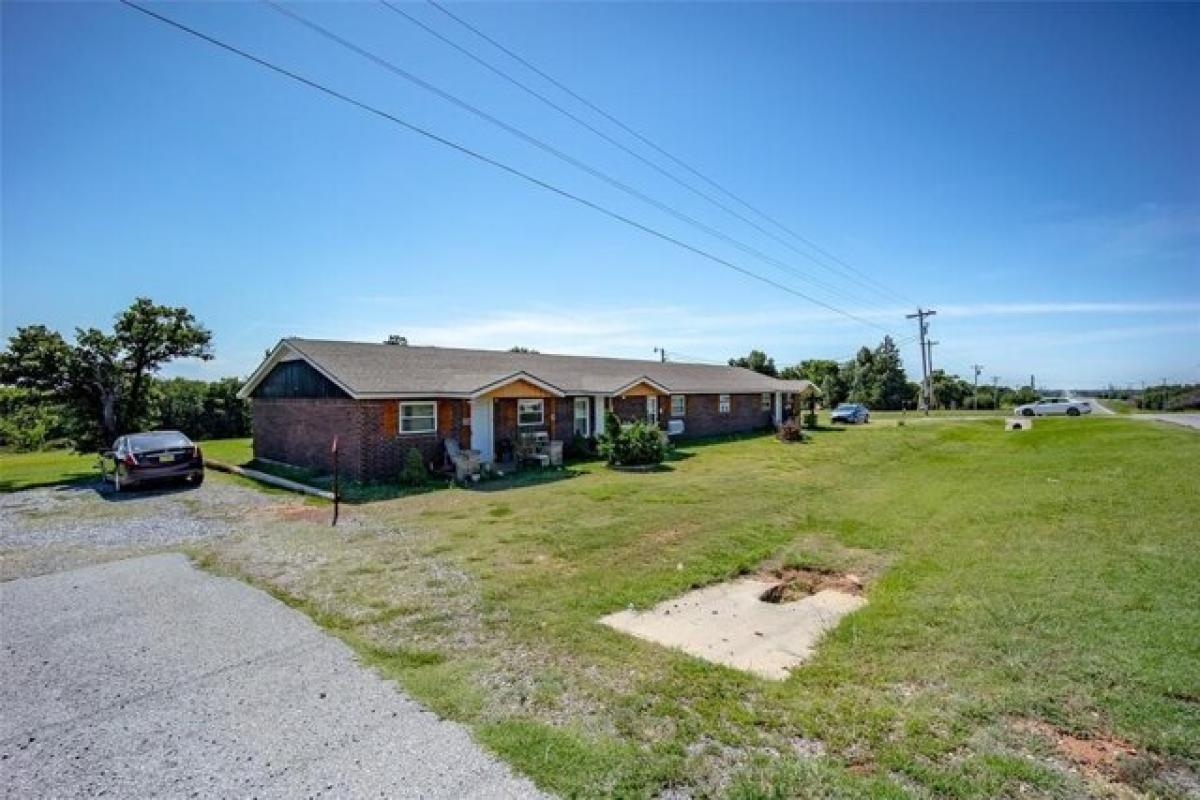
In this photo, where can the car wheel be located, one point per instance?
(1027, 412)
(197, 479)
(1072, 412)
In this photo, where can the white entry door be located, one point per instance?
(652, 409)
(481, 428)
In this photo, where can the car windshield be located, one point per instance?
(846, 407)
(158, 440)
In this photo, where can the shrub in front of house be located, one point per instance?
(413, 473)
(810, 419)
(580, 447)
(636, 444)
(790, 431)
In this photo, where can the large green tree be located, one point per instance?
(104, 378)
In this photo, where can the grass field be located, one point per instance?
(1023, 587)
(30, 470)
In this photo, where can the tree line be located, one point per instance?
(876, 378)
(88, 391)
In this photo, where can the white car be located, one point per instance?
(1054, 406)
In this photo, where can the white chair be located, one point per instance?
(466, 462)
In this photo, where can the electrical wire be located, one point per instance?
(497, 164)
(541, 144)
(873, 283)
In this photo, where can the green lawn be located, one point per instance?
(230, 451)
(30, 470)
(1047, 576)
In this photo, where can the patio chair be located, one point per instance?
(466, 463)
(534, 446)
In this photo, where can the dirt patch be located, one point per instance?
(1106, 756)
(294, 513)
(796, 583)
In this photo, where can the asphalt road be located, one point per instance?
(1186, 420)
(147, 677)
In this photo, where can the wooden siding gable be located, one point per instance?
(296, 379)
(520, 388)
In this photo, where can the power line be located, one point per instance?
(882, 289)
(312, 84)
(554, 151)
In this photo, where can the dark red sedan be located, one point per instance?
(154, 457)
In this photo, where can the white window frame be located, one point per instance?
(678, 405)
(766, 401)
(586, 417)
(434, 417)
(541, 408)
(724, 403)
(652, 408)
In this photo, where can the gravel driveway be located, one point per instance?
(52, 529)
(146, 677)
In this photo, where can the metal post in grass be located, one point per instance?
(337, 495)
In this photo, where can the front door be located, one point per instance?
(482, 438)
(652, 409)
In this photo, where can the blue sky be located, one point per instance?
(1031, 171)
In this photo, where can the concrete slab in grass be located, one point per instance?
(728, 624)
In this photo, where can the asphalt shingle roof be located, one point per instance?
(380, 370)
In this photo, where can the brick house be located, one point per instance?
(382, 399)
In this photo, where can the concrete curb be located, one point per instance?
(270, 480)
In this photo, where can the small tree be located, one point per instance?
(413, 472)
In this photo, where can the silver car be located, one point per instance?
(1054, 406)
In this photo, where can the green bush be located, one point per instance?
(580, 447)
(810, 419)
(413, 472)
(635, 444)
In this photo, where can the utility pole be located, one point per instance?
(662, 354)
(978, 369)
(929, 343)
(996, 392)
(923, 329)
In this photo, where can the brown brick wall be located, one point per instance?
(384, 449)
(703, 417)
(300, 432)
(633, 408)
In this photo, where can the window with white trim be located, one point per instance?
(723, 404)
(420, 417)
(766, 401)
(678, 405)
(531, 412)
(583, 425)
